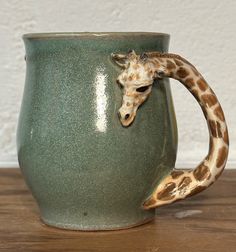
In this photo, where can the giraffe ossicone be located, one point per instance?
(136, 79)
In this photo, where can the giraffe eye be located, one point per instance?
(142, 89)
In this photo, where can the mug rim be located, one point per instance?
(48, 35)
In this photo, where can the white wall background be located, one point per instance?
(202, 31)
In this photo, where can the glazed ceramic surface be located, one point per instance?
(97, 133)
(85, 170)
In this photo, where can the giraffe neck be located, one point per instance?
(174, 66)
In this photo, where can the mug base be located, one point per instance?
(78, 227)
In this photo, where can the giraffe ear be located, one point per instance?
(132, 54)
(121, 60)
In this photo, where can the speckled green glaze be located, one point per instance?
(85, 170)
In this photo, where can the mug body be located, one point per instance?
(85, 170)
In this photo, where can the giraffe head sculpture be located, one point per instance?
(136, 82)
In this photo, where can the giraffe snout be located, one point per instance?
(123, 117)
(126, 117)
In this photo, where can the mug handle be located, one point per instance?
(180, 184)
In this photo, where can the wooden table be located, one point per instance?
(205, 222)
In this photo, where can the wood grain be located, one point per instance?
(206, 222)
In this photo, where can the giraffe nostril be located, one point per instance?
(126, 116)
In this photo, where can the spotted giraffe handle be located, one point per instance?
(180, 184)
(137, 77)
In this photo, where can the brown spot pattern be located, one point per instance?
(149, 202)
(184, 183)
(212, 126)
(211, 146)
(221, 156)
(209, 99)
(178, 62)
(182, 72)
(215, 128)
(202, 84)
(167, 192)
(171, 74)
(176, 174)
(226, 137)
(218, 126)
(219, 113)
(189, 82)
(201, 172)
(196, 190)
(170, 65)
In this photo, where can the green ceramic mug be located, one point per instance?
(94, 158)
